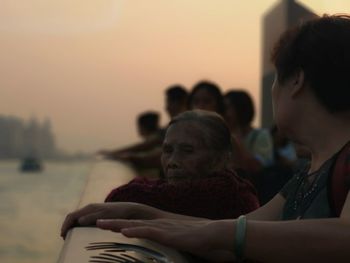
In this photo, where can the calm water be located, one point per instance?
(33, 206)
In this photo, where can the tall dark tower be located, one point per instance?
(280, 17)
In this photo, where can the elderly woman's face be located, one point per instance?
(185, 154)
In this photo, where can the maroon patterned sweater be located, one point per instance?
(220, 196)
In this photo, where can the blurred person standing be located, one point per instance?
(146, 155)
(256, 144)
(206, 95)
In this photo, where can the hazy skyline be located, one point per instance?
(92, 66)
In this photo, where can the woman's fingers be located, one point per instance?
(147, 229)
(72, 219)
(69, 222)
(194, 237)
(117, 224)
(148, 232)
(161, 231)
(90, 213)
(90, 219)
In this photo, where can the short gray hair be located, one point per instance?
(217, 133)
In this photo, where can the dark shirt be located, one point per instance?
(221, 196)
(305, 199)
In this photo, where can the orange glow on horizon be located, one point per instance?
(93, 66)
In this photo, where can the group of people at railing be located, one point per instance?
(266, 158)
(216, 168)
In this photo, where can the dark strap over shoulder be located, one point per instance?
(340, 180)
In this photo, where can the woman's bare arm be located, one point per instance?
(317, 240)
(271, 211)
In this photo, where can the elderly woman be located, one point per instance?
(196, 152)
(311, 106)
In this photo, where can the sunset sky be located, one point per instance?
(92, 66)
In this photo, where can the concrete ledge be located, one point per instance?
(80, 240)
(105, 176)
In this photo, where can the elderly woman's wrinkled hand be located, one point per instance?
(204, 238)
(89, 214)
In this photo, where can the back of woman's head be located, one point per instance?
(213, 90)
(243, 106)
(321, 49)
(216, 133)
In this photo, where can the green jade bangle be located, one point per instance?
(240, 236)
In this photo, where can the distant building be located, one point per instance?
(20, 139)
(282, 16)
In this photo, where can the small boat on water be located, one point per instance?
(31, 164)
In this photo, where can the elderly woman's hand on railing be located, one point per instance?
(88, 215)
